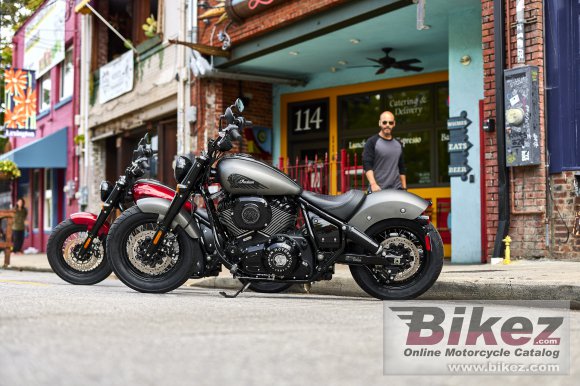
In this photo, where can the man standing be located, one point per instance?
(383, 157)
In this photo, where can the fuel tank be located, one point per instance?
(146, 188)
(242, 175)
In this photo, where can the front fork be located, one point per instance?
(182, 194)
(110, 203)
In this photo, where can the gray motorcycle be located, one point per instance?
(265, 228)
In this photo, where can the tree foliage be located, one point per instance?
(13, 13)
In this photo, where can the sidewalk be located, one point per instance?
(523, 280)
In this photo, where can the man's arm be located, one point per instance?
(402, 169)
(371, 177)
(404, 181)
(368, 163)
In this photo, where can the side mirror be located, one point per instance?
(229, 116)
(239, 105)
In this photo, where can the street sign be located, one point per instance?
(458, 146)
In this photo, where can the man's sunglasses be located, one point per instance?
(389, 123)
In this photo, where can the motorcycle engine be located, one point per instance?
(263, 238)
(247, 214)
(286, 256)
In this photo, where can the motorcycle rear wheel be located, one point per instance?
(130, 233)
(62, 252)
(412, 282)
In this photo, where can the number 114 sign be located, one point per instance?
(308, 117)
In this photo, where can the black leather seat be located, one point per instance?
(342, 206)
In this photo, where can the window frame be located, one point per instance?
(40, 83)
(434, 127)
(68, 54)
(48, 199)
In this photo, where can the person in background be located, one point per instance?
(19, 225)
(383, 157)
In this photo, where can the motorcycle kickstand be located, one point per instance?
(245, 287)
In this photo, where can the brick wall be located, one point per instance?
(216, 95)
(532, 215)
(262, 23)
(565, 206)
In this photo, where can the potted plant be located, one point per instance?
(9, 170)
(79, 141)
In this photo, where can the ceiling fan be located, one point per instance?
(387, 62)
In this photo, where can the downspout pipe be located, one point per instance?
(520, 33)
(503, 192)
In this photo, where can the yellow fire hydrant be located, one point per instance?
(507, 241)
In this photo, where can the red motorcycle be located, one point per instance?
(76, 247)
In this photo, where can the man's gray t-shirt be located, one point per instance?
(385, 158)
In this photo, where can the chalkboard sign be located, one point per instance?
(458, 146)
(522, 116)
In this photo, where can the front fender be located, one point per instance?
(160, 206)
(387, 204)
(89, 219)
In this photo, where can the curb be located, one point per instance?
(441, 290)
(24, 268)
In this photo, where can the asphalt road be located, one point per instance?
(54, 333)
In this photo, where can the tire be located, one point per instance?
(412, 282)
(64, 240)
(265, 287)
(130, 231)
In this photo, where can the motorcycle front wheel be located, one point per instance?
(63, 253)
(170, 266)
(401, 238)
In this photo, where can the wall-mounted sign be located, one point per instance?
(20, 100)
(238, 10)
(308, 118)
(522, 116)
(458, 146)
(44, 38)
(116, 77)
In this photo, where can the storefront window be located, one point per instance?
(417, 157)
(35, 204)
(442, 155)
(421, 114)
(411, 106)
(442, 104)
(361, 111)
(154, 161)
(48, 199)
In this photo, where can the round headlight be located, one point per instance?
(106, 189)
(182, 166)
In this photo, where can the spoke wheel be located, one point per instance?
(174, 262)
(63, 253)
(419, 270)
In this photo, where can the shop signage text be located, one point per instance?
(458, 146)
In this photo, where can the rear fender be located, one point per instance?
(387, 204)
(160, 206)
(89, 219)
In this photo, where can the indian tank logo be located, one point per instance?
(242, 182)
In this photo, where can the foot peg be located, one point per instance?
(245, 287)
